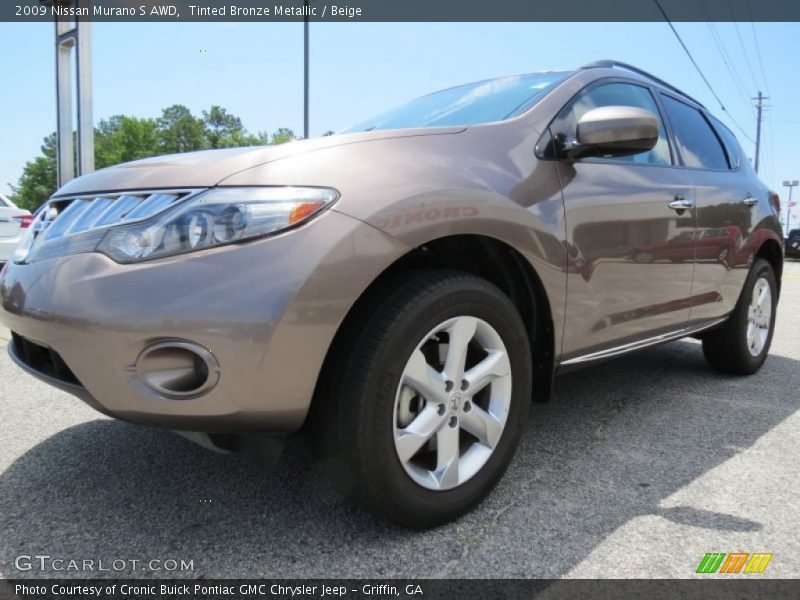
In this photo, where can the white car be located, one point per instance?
(13, 221)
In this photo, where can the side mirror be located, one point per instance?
(614, 131)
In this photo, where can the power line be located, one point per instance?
(770, 147)
(740, 86)
(689, 54)
(700, 72)
(744, 52)
(741, 44)
(758, 48)
(726, 57)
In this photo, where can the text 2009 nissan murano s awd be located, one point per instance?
(405, 287)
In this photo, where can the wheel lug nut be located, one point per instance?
(453, 422)
(464, 385)
(440, 409)
(467, 406)
(448, 385)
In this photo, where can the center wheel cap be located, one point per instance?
(455, 402)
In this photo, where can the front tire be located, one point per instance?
(741, 345)
(426, 397)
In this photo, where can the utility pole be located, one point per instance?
(759, 107)
(790, 184)
(305, 71)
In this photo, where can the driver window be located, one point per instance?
(618, 94)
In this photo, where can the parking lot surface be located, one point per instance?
(637, 468)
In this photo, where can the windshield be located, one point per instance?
(470, 104)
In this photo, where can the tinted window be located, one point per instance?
(697, 141)
(617, 94)
(731, 143)
(471, 104)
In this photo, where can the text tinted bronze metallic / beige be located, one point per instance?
(408, 285)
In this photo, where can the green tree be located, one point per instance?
(117, 139)
(258, 139)
(121, 139)
(38, 180)
(179, 130)
(282, 136)
(223, 130)
(242, 138)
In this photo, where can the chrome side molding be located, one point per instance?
(652, 341)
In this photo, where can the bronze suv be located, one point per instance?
(407, 286)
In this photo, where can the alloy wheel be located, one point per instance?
(452, 403)
(759, 317)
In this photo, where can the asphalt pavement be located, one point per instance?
(637, 468)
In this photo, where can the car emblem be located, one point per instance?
(455, 401)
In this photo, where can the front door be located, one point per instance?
(630, 255)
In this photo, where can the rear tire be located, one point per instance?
(741, 345)
(421, 451)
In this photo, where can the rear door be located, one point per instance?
(630, 255)
(723, 189)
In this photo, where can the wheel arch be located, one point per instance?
(481, 255)
(771, 251)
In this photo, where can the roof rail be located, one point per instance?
(610, 64)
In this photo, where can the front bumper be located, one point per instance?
(267, 310)
(65, 384)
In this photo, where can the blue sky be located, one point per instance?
(359, 69)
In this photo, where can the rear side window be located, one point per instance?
(698, 143)
(731, 143)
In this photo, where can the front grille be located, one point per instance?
(42, 359)
(85, 213)
(75, 224)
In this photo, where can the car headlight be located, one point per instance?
(216, 217)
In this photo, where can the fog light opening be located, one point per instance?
(177, 369)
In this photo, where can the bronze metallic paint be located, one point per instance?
(269, 309)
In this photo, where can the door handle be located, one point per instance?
(750, 201)
(680, 203)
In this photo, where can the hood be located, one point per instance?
(209, 167)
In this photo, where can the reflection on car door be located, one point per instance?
(722, 182)
(630, 255)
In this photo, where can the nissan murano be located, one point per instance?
(406, 287)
